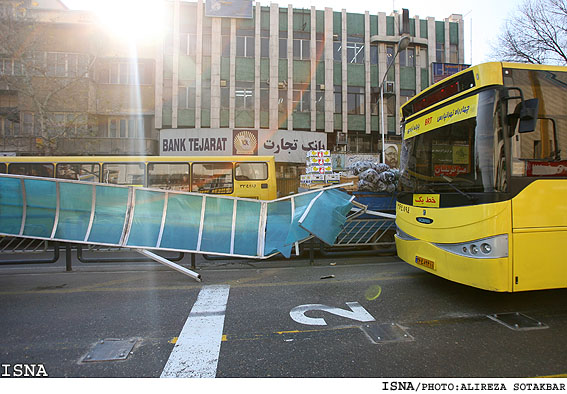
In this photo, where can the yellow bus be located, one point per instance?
(483, 187)
(237, 176)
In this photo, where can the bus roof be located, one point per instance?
(128, 159)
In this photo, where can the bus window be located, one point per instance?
(132, 174)
(169, 176)
(87, 172)
(251, 171)
(33, 169)
(212, 178)
(2, 168)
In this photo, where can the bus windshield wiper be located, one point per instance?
(450, 183)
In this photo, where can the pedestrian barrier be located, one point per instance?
(150, 219)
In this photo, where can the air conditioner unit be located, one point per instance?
(223, 83)
(282, 85)
(341, 138)
(335, 37)
(389, 87)
(322, 87)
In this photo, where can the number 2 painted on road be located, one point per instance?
(357, 312)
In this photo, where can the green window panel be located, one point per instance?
(391, 124)
(283, 19)
(374, 77)
(282, 70)
(224, 118)
(205, 118)
(242, 23)
(264, 69)
(265, 18)
(390, 26)
(356, 122)
(244, 69)
(337, 74)
(301, 20)
(206, 69)
(373, 25)
(186, 117)
(301, 71)
(412, 27)
(338, 121)
(320, 121)
(424, 78)
(225, 68)
(374, 123)
(264, 119)
(355, 75)
(301, 120)
(337, 23)
(439, 32)
(453, 33)
(320, 21)
(320, 72)
(423, 28)
(187, 68)
(355, 24)
(166, 116)
(407, 78)
(244, 119)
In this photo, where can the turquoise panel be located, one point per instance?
(217, 227)
(146, 223)
(110, 211)
(181, 230)
(11, 206)
(246, 230)
(277, 227)
(41, 204)
(75, 211)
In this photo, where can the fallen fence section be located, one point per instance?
(142, 218)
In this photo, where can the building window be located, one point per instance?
(124, 127)
(338, 99)
(407, 57)
(28, 124)
(282, 101)
(225, 97)
(337, 51)
(9, 127)
(188, 44)
(244, 98)
(283, 48)
(61, 64)
(390, 54)
(440, 53)
(124, 73)
(11, 67)
(375, 101)
(67, 124)
(320, 101)
(301, 49)
(406, 95)
(355, 50)
(453, 53)
(245, 46)
(264, 47)
(264, 99)
(301, 99)
(355, 100)
(186, 97)
(373, 54)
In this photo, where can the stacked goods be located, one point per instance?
(319, 170)
(375, 177)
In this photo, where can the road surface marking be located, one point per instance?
(196, 351)
(357, 312)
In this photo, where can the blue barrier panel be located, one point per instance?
(110, 213)
(146, 222)
(247, 228)
(182, 222)
(277, 227)
(217, 225)
(41, 207)
(74, 211)
(11, 206)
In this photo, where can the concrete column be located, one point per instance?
(175, 81)
(257, 48)
(215, 72)
(290, 67)
(274, 62)
(158, 117)
(447, 42)
(367, 76)
(232, 71)
(199, 64)
(432, 45)
(382, 66)
(344, 69)
(313, 59)
(329, 83)
(418, 55)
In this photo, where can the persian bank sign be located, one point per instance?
(285, 146)
(229, 9)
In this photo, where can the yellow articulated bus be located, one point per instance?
(483, 187)
(238, 176)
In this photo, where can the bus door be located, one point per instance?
(251, 180)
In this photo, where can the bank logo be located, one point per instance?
(245, 142)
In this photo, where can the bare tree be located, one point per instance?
(536, 34)
(50, 85)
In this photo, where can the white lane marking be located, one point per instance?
(196, 352)
(357, 312)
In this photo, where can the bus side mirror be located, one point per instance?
(528, 115)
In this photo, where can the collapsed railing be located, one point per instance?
(151, 219)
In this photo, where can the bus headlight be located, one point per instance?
(485, 248)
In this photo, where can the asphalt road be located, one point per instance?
(339, 317)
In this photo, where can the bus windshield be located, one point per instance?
(464, 154)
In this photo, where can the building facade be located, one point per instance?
(276, 71)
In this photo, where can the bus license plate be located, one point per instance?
(425, 262)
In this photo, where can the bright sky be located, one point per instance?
(485, 17)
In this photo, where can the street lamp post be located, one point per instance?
(402, 44)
